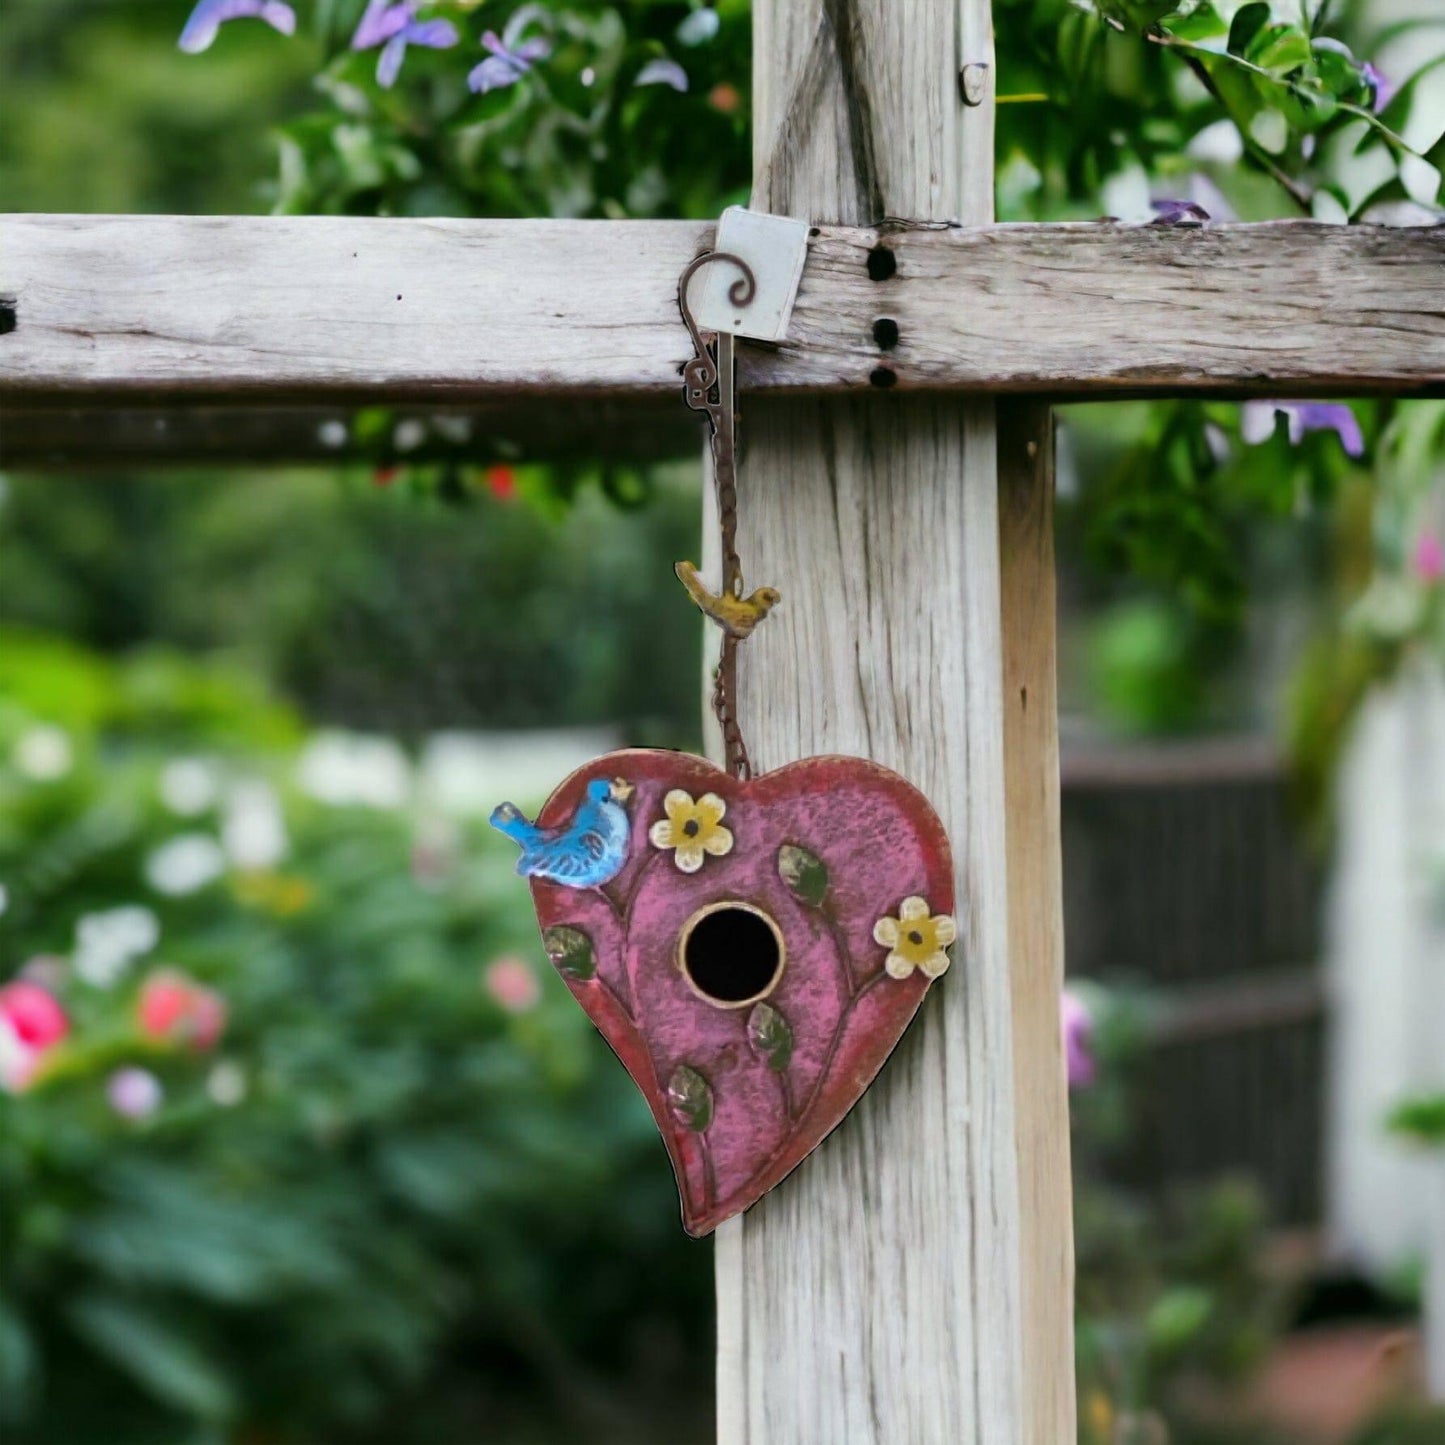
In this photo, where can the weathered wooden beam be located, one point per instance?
(316, 309)
(1029, 611)
(875, 1296)
(525, 430)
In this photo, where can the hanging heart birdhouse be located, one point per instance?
(752, 949)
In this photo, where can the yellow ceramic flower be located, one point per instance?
(692, 829)
(915, 939)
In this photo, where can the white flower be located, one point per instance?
(226, 1083)
(185, 864)
(1218, 142)
(44, 753)
(189, 786)
(348, 769)
(134, 1093)
(455, 429)
(916, 938)
(4, 898)
(254, 829)
(692, 829)
(463, 774)
(107, 943)
(17, 1058)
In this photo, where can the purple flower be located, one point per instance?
(662, 72)
(1428, 559)
(134, 1093)
(1078, 1027)
(1257, 422)
(394, 27)
(1381, 85)
(512, 56)
(208, 17)
(1178, 213)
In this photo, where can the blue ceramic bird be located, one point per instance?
(585, 853)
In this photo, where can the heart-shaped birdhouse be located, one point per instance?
(751, 949)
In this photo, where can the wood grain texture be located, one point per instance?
(875, 1295)
(319, 309)
(1036, 913)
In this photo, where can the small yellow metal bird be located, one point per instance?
(737, 616)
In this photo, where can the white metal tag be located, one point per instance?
(776, 248)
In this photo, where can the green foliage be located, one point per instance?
(1170, 1293)
(1410, 1425)
(1421, 1119)
(575, 137)
(1253, 112)
(382, 1163)
(1125, 88)
(1385, 603)
(1142, 671)
(370, 607)
(99, 113)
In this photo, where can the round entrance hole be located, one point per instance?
(731, 953)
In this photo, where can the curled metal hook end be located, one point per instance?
(740, 293)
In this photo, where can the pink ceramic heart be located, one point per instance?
(757, 956)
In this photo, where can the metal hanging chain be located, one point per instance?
(709, 381)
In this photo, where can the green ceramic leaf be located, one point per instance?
(805, 874)
(690, 1097)
(571, 950)
(772, 1036)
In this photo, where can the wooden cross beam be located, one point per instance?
(109, 310)
(914, 1281)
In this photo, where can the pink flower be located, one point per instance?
(174, 1008)
(33, 1013)
(31, 1024)
(1078, 1027)
(134, 1093)
(513, 984)
(1429, 558)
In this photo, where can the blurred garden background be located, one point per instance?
(300, 1138)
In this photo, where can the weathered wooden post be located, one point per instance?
(913, 1282)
